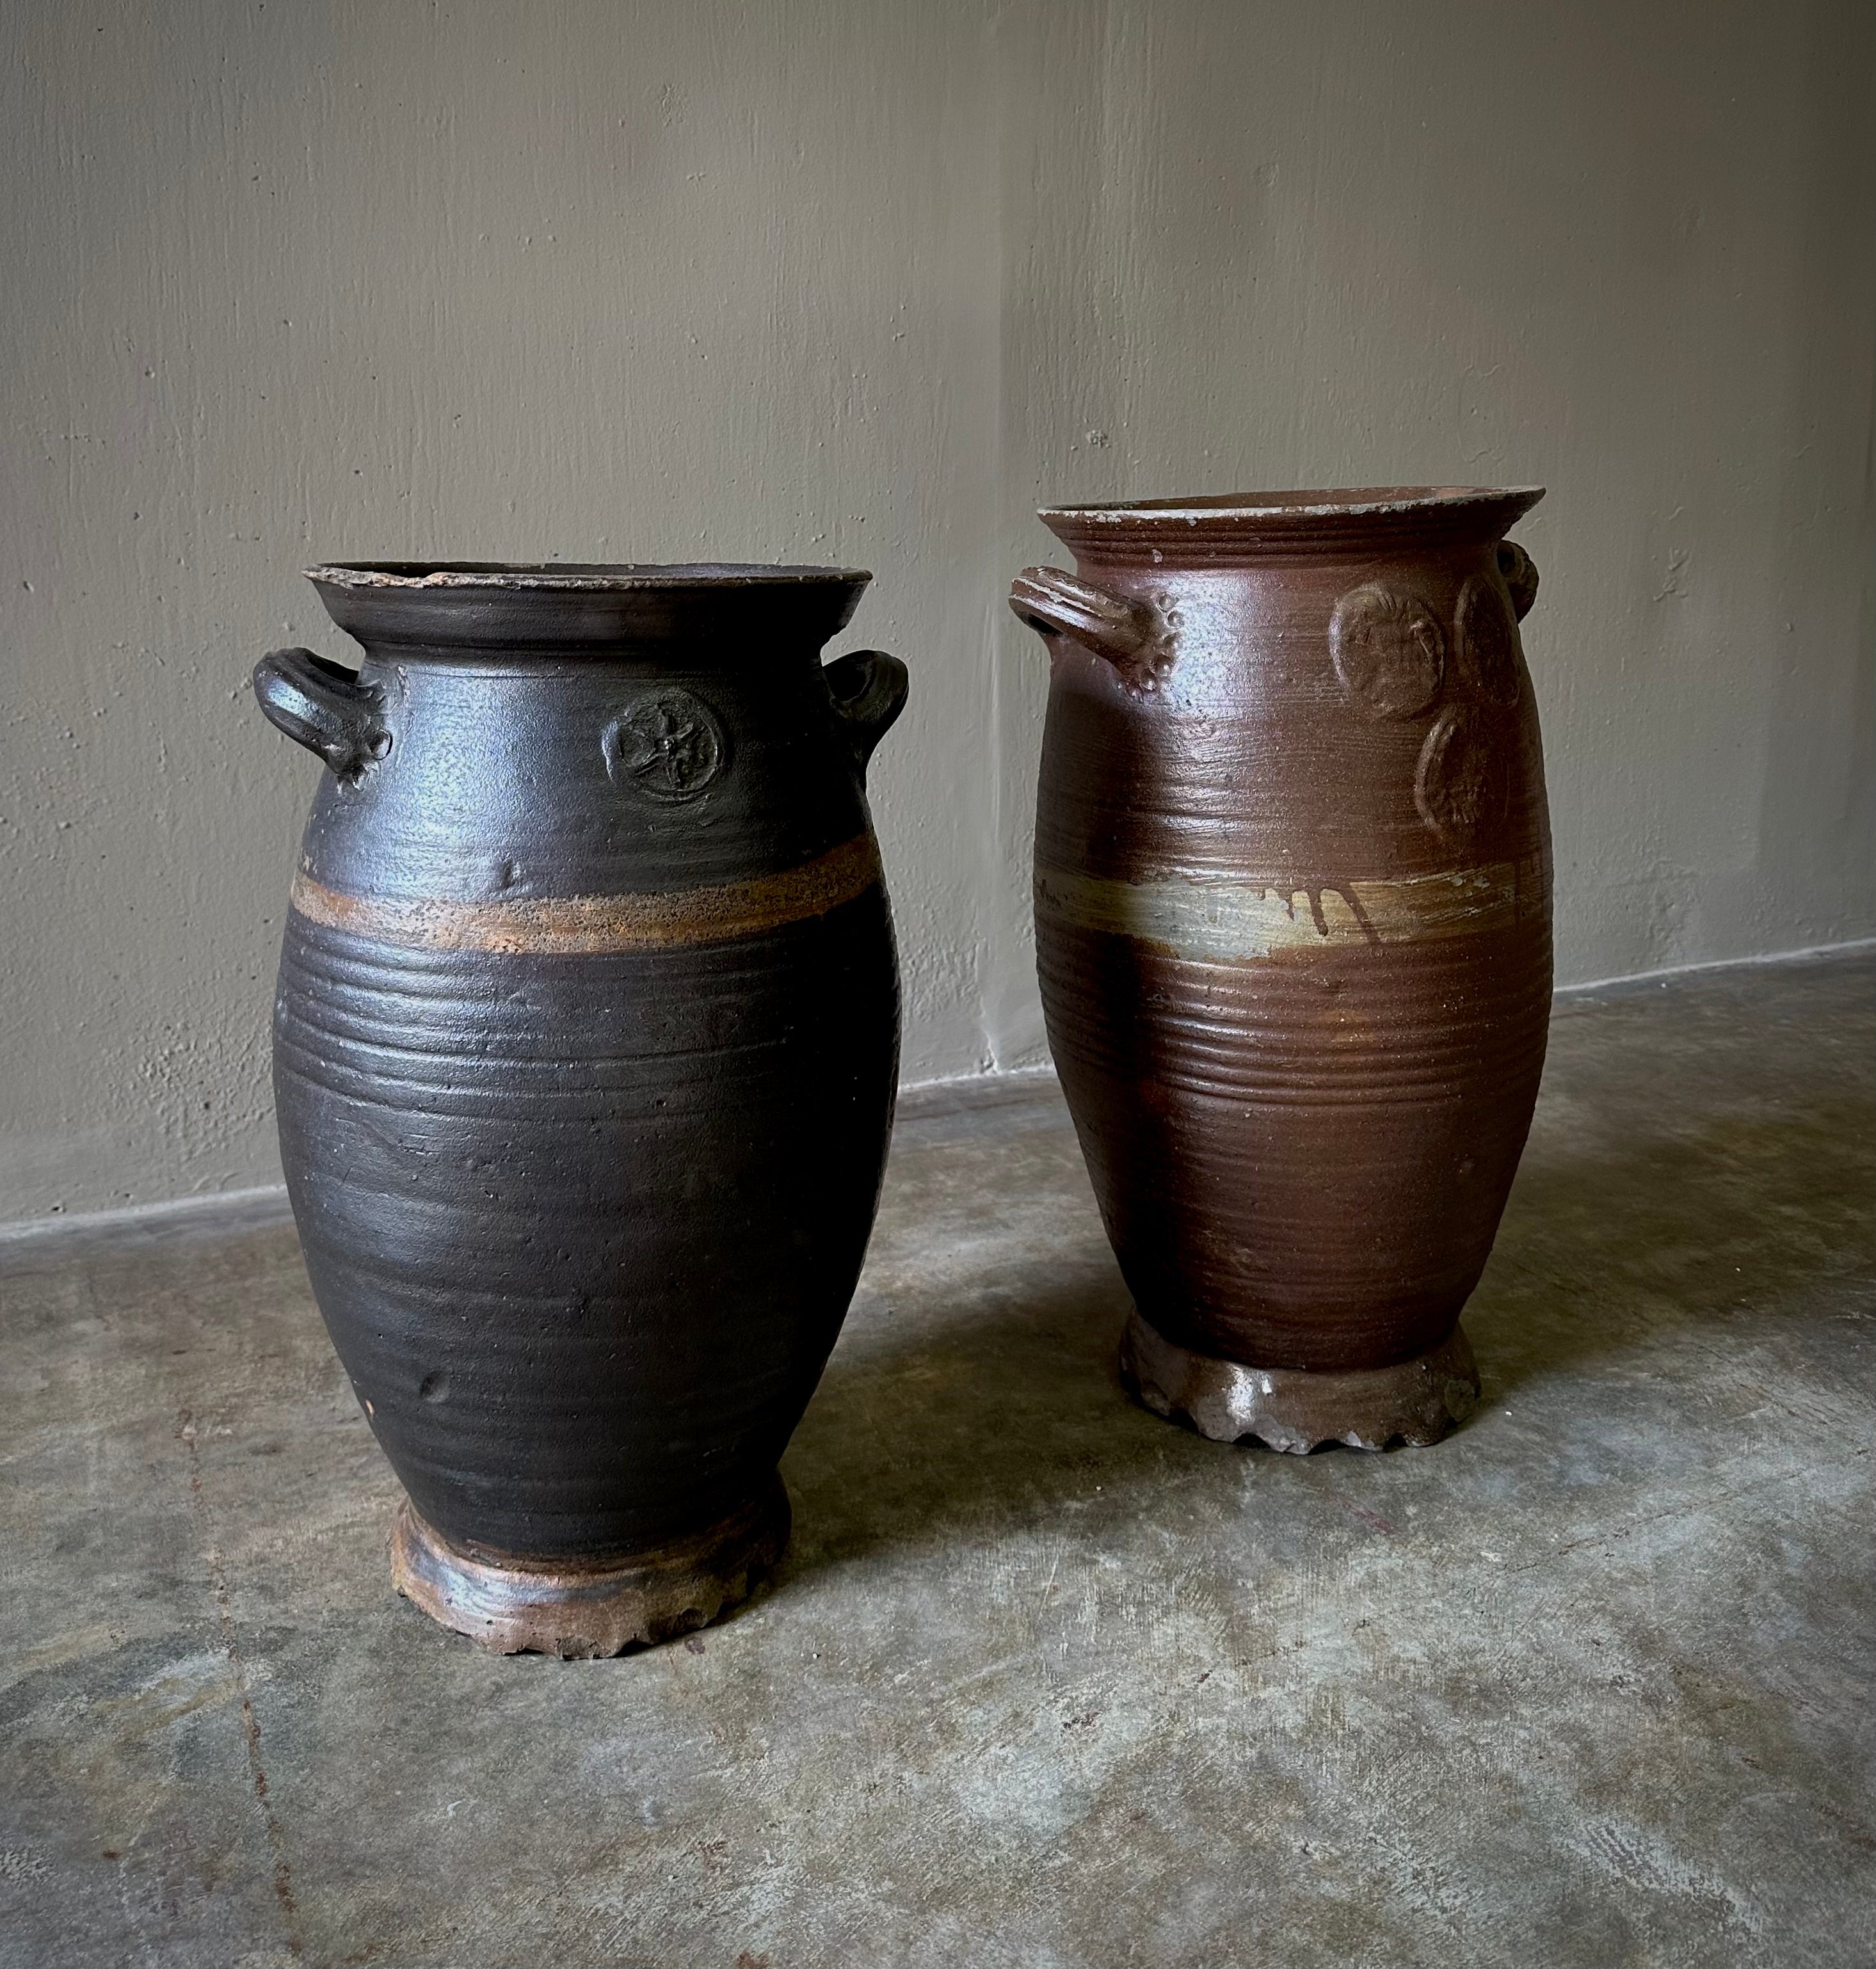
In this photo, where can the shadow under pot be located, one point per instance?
(584, 1050)
(1293, 926)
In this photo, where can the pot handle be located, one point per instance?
(1113, 626)
(324, 707)
(1521, 576)
(868, 688)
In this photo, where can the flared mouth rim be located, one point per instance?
(1351, 502)
(569, 577)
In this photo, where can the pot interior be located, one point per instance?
(1218, 527)
(1256, 505)
(572, 607)
(582, 575)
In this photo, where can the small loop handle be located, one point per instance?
(324, 707)
(1521, 576)
(1052, 603)
(868, 688)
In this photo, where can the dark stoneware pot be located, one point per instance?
(1292, 922)
(585, 1055)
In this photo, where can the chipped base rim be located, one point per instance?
(586, 1613)
(1296, 1409)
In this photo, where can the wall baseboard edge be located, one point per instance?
(228, 1209)
(922, 1100)
(1641, 981)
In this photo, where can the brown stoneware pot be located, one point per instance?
(585, 1054)
(1292, 924)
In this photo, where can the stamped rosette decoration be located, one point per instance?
(1390, 657)
(668, 745)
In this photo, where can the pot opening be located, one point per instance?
(1277, 505)
(587, 577)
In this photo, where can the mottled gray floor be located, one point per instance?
(1045, 1680)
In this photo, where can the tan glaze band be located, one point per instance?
(1212, 919)
(590, 926)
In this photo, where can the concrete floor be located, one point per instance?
(1044, 1680)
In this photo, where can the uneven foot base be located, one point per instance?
(581, 1612)
(1295, 1408)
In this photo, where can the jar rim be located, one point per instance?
(1298, 505)
(572, 577)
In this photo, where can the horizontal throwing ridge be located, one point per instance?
(578, 925)
(1214, 919)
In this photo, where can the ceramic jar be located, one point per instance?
(585, 1054)
(1293, 921)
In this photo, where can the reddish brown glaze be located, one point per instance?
(1292, 906)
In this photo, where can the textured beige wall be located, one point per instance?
(864, 281)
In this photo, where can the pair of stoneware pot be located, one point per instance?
(586, 1038)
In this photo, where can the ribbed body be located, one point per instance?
(1293, 906)
(586, 1047)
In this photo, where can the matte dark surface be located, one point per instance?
(583, 1219)
(1301, 1153)
(1043, 1683)
(584, 1228)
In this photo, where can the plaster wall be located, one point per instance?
(864, 281)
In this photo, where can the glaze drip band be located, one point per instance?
(1212, 919)
(591, 926)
